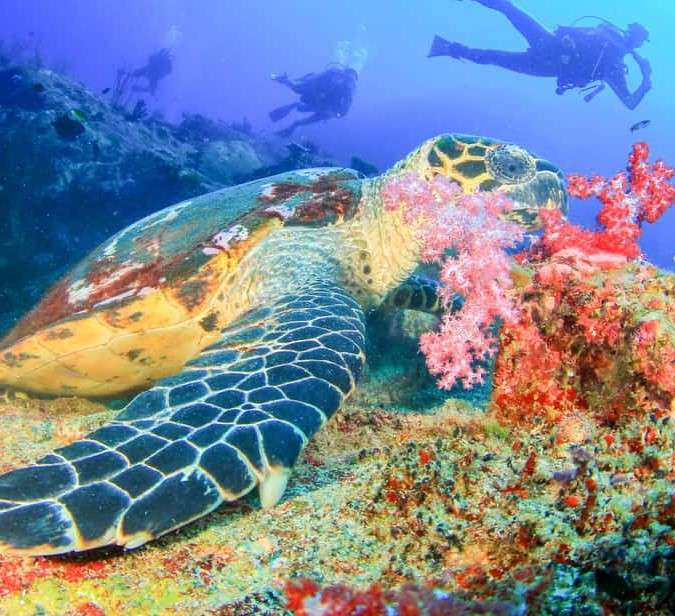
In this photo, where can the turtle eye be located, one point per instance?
(510, 164)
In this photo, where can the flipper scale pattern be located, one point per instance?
(234, 417)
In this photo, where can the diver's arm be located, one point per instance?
(617, 81)
(643, 63)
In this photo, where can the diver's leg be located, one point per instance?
(313, 119)
(283, 79)
(519, 61)
(281, 112)
(529, 27)
(297, 87)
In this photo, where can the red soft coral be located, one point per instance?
(628, 199)
(305, 598)
(601, 344)
(582, 342)
(545, 368)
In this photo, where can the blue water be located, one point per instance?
(225, 53)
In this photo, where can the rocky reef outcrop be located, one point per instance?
(75, 168)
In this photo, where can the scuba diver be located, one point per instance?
(158, 67)
(579, 57)
(325, 95)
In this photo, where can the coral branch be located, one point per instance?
(478, 268)
(628, 199)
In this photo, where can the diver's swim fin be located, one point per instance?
(286, 132)
(442, 47)
(281, 112)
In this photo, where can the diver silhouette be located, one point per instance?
(159, 65)
(579, 57)
(325, 95)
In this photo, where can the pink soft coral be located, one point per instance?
(471, 226)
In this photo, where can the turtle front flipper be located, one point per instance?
(419, 293)
(237, 416)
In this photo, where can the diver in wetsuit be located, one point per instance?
(158, 67)
(578, 57)
(325, 95)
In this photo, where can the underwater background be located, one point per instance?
(411, 495)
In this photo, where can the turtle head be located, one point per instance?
(392, 246)
(480, 163)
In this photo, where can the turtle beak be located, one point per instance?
(545, 190)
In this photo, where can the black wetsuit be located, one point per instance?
(158, 67)
(576, 56)
(325, 95)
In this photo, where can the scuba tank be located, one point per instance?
(602, 20)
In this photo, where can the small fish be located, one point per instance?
(38, 87)
(640, 125)
(80, 116)
(105, 90)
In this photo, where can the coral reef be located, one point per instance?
(586, 366)
(305, 598)
(601, 344)
(482, 512)
(596, 333)
(74, 169)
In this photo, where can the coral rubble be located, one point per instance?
(478, 511)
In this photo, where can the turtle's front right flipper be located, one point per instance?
(236, 417)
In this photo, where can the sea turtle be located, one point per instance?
(240, 314)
